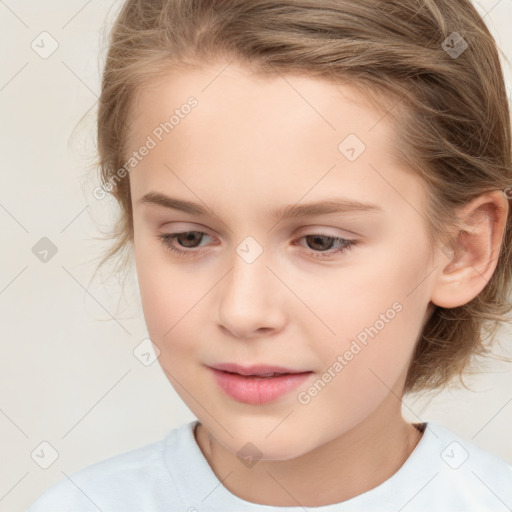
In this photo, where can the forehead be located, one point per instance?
(255, 136)
(231, 97)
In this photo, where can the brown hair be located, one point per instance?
(451, 112)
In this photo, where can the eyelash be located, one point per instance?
(347, 245)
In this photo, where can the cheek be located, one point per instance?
(167, 292)
(168, 301)
(367, 359)
(375, 316)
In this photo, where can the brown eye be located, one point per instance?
(187, 239)
(321, 246)
(320, 241)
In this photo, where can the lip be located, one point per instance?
(254, 370)
(256, 390)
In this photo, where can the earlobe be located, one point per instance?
(467, 262)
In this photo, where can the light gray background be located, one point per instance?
(69, 375)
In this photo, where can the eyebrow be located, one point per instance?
(325, 207)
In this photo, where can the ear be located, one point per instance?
(466, 263)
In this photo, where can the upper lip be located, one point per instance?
(258, 369)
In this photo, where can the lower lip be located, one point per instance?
(257, 390)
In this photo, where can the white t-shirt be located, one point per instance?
(443, 473)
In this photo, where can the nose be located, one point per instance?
(250, 300)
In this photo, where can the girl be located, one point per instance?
(316, 195)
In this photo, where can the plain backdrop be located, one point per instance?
(69, 376)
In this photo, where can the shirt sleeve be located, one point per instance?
(63, 497)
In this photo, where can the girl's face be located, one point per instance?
(255, 287)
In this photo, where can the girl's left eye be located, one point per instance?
(191, 237)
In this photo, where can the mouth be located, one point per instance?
(259, 370)
(260, 377)
(258, 386)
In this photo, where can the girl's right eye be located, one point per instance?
(168, 238)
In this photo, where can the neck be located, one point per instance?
(354, 462)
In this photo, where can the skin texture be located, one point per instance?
(251, 145)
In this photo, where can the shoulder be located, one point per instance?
(134, 480)
(461, 474)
